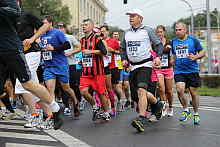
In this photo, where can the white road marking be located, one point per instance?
(17, 128)
(23, 145)
(214, 109)
(26, 136)
(66, 139)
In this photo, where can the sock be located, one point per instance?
(54, 106)
(123, 101)
(35, 114)
(186, 109)
(196, 113)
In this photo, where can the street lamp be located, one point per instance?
(192, 15)
(208, 38)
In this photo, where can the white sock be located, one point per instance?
(54, 106)
(196, 113)
(186, 109)
(123, 101)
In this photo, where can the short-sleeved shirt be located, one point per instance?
(72, 60)
(55, 38)
(114, 44)
(182, 49)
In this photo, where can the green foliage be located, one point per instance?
(40, 8)
(200, 19)
(209, 92)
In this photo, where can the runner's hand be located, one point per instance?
(157, 61)
(49, 48)
(192, 57)
(27, 42)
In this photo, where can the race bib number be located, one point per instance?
(133, 48)
(87, 61)
(182, 51)
(164, 61)
(118, 60)
(107, 60)
(133, 51)
(76, 60)
(47, 55)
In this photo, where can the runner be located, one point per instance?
(136, 46)
(165, 73)
(93, 50)
(55, 62)
(12, 58)
(187, 49)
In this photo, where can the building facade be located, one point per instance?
(82, 9)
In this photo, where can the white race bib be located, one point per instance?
(182, 53)
(87, 61)
(133, 48)
(47, 55)
(76, 60)
(107, 60)
(164, 61)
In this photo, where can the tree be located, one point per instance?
(200, 19)
(40, 8)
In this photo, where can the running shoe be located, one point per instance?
(196, 119)
(170, 112)
(138, 124)
(58, 119)
(185, 116)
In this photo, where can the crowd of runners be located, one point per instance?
(41, 65)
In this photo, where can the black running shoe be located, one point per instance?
(138, 124)
(158, 111)
(95, 115)
(58, 119)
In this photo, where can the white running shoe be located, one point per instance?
(170, 112)
(32, 122)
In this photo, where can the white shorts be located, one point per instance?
(33, 61)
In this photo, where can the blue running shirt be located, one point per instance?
(181, 49)
(54, 37)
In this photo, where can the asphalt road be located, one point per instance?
(168, 132)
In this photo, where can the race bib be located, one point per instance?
(107, 60)
(87, 61)
(182, 51)
(118, 60)
(133, 51)
(47, 55)
(133, 48)
(164, 61)
(76, 60)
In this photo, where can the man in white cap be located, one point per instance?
(137, 43)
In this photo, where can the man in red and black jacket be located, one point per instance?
(93, 50)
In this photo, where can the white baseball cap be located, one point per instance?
(135, 11)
